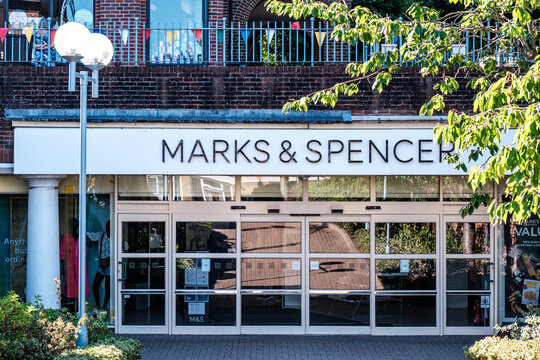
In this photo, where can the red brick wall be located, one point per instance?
(204, 87)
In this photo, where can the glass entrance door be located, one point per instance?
(468, 281)
(142, 274)
(405, 300)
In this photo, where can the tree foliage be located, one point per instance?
(506, 99)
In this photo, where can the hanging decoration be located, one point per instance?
(124, 33)
(3, 33)
(295, 25)
(170, 37)
(270, 34)
(245, 35)
(145, 34)
(220, 36)
(52, 35)
(320, 35)
(198, 33)
(28, 31)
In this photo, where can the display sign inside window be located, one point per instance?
(522, 266)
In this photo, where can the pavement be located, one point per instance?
(296, 347)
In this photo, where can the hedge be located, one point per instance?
(497, 348)
(108, 349)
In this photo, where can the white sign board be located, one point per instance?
(132, 151)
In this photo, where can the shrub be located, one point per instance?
(97, 327)
(107, 349)
(496, 348)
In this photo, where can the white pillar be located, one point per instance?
(43, 251)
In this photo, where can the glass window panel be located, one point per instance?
(205, 273)
(405, 311)
(392, 274)
(206, 237)
(405, 238)
(144, 273)
(407, 188)
(181, 45)
(271, 309)
(142, 309)
(205, 310)
(342, 237)
(339, 188)
(466, 274)
(143, 237)
(271, 188)
(271, 237)
(271, 273)
(344, 274)
(328, 310)
(455, 188)
(143, 187)
(467, 238)
(465, 310)
(204, 188)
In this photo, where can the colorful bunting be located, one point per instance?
(145, 34)
(124, 33)
(53, 34)
(245, 35)
(220, 36)
(270, 34)
(198, 33)
(28, 31)
(295, 25)
(3, 33)
(170, 37)
(320, 35)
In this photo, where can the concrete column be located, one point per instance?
(43, 252)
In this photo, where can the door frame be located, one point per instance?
(140, 329)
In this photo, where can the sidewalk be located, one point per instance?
(163, 347)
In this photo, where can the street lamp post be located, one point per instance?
(75, 43)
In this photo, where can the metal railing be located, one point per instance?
(220, 44)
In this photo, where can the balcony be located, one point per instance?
(302, 43)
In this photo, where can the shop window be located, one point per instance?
(143, 187)
(177, 31)
(13, 235)
(407, 188)
(203, 188)
(390, 275)
(339, 188)
(206, 237)
(467, 238)
(339, 237)
(405, 238)
(271, 188)
(455, 188)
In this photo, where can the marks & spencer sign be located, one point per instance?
(253, 151)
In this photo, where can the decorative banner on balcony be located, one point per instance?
(295, 25)
(270, 34)
(170, 37)
(28, 31)
(220, 36)
(320, 35)
(145, 34)
(3, 33)
(124, 33)
(245, 35)
(198, 33)
(52, 36)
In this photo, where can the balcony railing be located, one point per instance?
(219, 44)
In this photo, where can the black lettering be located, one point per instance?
(262, 151)
(330, 151)
(354, 151)
(373, 146)
(447, 152)
(172, 154)
(240, 151)
(395, 150)
(202, 154)
(422, 150)
(221, 152)
(314, 151)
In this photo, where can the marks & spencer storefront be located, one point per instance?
(256, 228)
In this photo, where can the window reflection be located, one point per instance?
(271, 237)
(466, 274)
(405, 238)
(407, 188)
(143, 237)
(405, 274)
(205, 273)
(455, 188)
(467, 238)
(338, 310)
(339, 188)
(211, 237)
(203, 188)
(346, 274)
(143, 187)
(271, 273)
(350, 237)
(271, 188)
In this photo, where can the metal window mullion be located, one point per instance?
(406, 256)
(296, 256)
(143, 255)
(338, 256)
(204, 256)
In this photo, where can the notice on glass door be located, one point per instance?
(196, 309)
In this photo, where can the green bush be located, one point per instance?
(108, 349)
(496, 348)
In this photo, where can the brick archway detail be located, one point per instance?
(244, 10)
